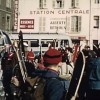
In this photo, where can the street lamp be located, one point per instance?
(90, 34)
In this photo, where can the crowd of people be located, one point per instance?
(51, 66)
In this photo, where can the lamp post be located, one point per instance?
(90, 34)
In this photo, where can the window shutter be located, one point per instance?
(79, 23)
(72, 3)
(67, 24)
(44, 3)
(40, 24)
(73, 22)
(53, 4)
(77, 3)
(63, 4)
(44, 24)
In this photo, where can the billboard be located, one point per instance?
(26, 23)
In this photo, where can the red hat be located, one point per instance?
(30, 56)
(52, 56)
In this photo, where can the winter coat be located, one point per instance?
(94, 73)
(55, 88)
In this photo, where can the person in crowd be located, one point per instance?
(69, 52)
(64, 69)
(30, 56)
(93, 65)
(69, 62)
(84, 82)
(29, 63)
(30, 67)
(66, 61)
(7, 74)
(54, 89)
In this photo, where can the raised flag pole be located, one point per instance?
(20, 54)
(21, 42)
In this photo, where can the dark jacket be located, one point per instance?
(94, 73)
(56, 87)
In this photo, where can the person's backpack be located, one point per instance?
(37, 88)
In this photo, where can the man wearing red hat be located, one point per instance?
(55, 88)
(30, 56)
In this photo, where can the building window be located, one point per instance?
(8, 3)
(58, 3)
(42, 4)
(35, 43)
(97, 1)
(44, 43)
(0, 2)
(96, 21)
(75, 3)
(76, 23)
(42, 24)
(2, 21)
(8, 21)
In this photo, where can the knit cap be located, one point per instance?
(52, 56)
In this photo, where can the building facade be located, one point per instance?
(80, 19)
(95, 21)
(6, 15)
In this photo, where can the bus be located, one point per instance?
(41, 42)
(38, 42)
